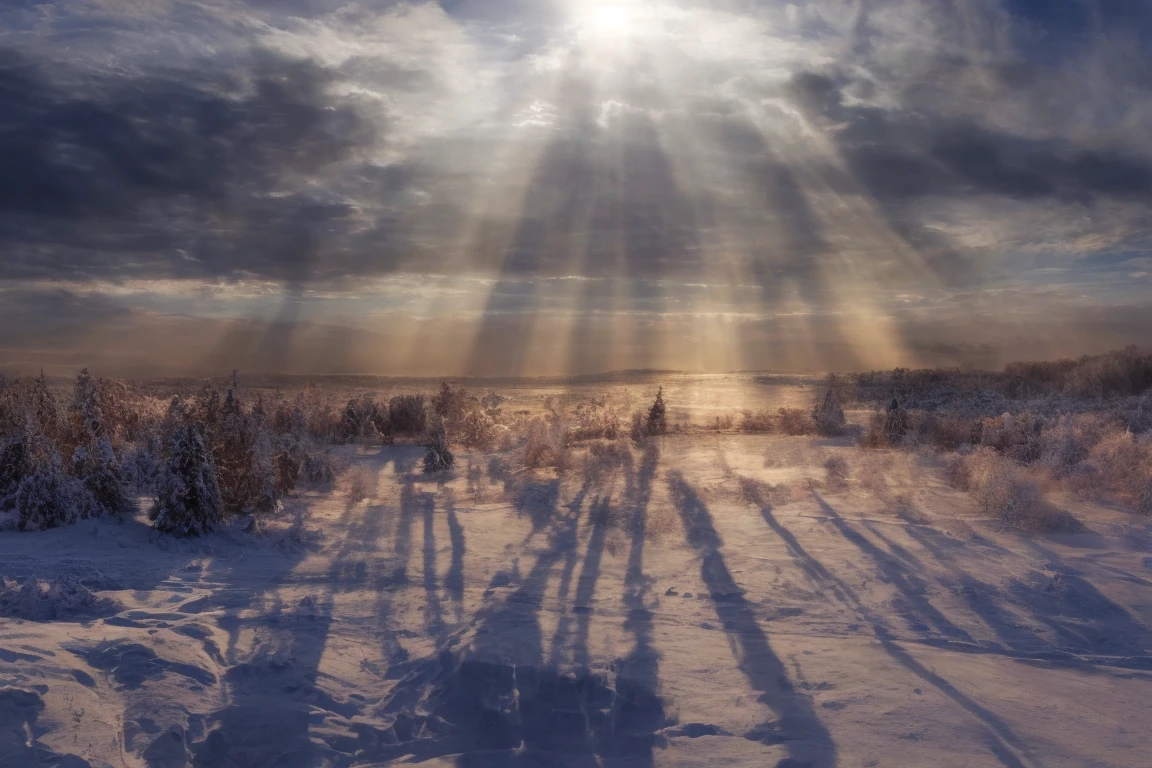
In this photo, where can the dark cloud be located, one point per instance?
(187, 169)
(897, 153)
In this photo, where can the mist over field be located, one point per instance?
(581, 383)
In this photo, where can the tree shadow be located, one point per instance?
(797, 727)
(1001, 740)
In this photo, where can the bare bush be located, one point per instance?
(546, 442)
(406, 414)
(360, 485)
(758, 421)
(595, 421)
(837, 471)
(605, 459)
(438, 458)
(796, 422)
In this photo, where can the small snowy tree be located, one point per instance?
(15, 464)
(657, 423)
(188, 495)
(829, 415)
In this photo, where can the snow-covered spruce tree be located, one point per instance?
(232, 454)
(96, 466)
(438, 458)
(48, 497)
(86, 414)
(263, 488)
(45, 410)
(657, 423)
(15, 465)
(187, 494)
(829, 415)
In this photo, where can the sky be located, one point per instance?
(542, 187)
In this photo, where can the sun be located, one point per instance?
(611, 18)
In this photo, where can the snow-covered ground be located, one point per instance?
(707, 599)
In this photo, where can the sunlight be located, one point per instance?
(609, 20)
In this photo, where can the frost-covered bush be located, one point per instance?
(546, 442)
(98, 469)
(758, 421)
(48, 497)
(188, 501)
(1123, 464)
(796, 422)
(406, 414)
(1003, 489)
(595, 420)
(61, 599)
(320, 467)
(836, 470)
(438, 457)
(606, 458)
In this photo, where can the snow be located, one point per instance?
(712, 599)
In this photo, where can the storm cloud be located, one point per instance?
(567, 186)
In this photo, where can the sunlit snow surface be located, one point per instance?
(713, 599)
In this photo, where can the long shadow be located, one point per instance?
(433, 615)
(980, 596)
(638, 712)
(912, 604)
(797, 728)
(586, 585)
(1000, 739)
(454, 582)
(1083, 617)
(274, 700)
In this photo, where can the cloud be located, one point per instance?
(811, 161)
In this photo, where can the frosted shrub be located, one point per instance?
(188, 501)
(48, 498)
(61, 599)
(758, 421)
(796, 422)
(320, 467)
(837, 470)
(546, 443)
(1003, 490)
(438, 458)
(595, 421)
(1124, 463)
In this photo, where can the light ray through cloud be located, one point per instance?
(569, 187)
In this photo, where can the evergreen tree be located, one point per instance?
(829, 415)
(96, 466)
(657, 415)
(15, 465)
(188, 499)
(86, 412)
(48, 497)
(232, 454)
(45, 409)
